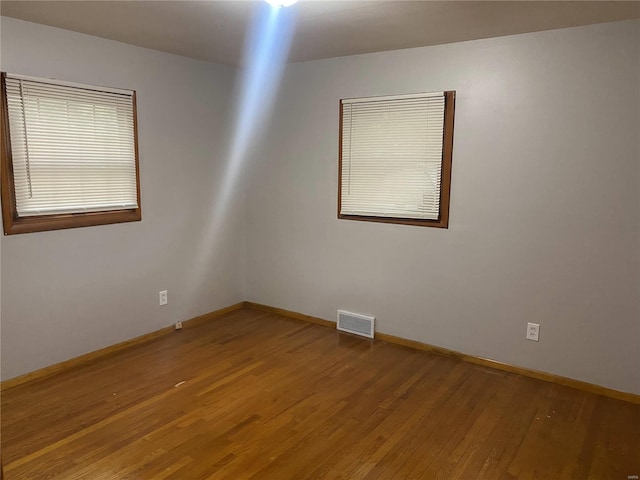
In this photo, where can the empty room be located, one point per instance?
(320, 240)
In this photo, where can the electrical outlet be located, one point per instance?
(162, 297)
(533, 331)
(178, 325)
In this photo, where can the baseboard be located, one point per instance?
(93, 356)
(485, 362)
(290, 314)
(202, 319)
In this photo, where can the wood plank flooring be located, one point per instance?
(266, 397)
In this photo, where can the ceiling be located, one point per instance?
(215, 30)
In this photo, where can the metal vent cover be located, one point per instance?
(356, 323)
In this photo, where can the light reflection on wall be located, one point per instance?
(265, 54)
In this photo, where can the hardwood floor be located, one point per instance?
(267, 397)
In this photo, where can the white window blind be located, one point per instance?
(73, 147)
(392, 156)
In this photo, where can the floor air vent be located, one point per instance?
(356, 323)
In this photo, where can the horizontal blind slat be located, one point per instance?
(73, 148)
(392, 155)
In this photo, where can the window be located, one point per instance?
(69, 155)
(395, 158)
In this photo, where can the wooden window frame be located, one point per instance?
(13, 224)
(445, 185)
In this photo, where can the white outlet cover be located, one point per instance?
(162, 297)
(533, 331)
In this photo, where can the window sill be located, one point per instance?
(58, 222)
(441, 223)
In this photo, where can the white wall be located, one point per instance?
(545, 203)
(545, 206)
(69, 292)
